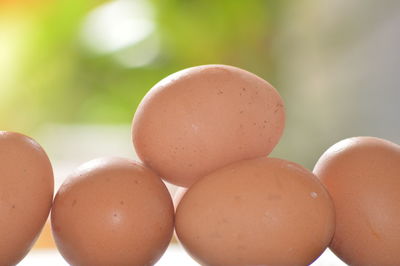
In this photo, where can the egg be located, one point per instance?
(263, 211)
(202, 118)
(26, 194)
(112, 211)
(362, 174)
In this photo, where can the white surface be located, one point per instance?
(175, 256)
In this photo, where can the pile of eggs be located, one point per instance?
(208, 129)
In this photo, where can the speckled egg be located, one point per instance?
(26, 194)
(263, 211)
(362, 174)
(203, 118)
(112, 211)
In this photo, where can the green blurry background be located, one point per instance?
(89, 62)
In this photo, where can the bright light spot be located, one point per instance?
(175, 76)
(140, 54)
(341, 145)
(117, 25)
(314, 195)
(195, 127)
(12, 34)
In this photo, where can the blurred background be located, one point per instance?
(73, 72)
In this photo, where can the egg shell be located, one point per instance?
(112, 211)
(362, 175)
(202, 118)
(263, 211)
(26, 194)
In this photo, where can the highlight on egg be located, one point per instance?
(112, 211)
(362, 174)
(203, 118)
(263, 211)
(26, 194)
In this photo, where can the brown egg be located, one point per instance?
(26, 194)
(263, 211)
(202, 118)
(112, 211)
(362, 175)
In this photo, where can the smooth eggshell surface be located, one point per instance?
(362, 174)
(112, 211)
(202, 118)
(26, 194)
(263, 211)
